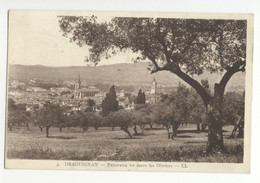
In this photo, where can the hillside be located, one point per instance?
(135, 73)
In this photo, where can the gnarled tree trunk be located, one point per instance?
(47, 131)
(27, 126)
(240, 126)
(168, 132)
(96, 126)
(215, 133)
(41, 128)
(128, 133)
(142, 127)
(113, 127)
(85, 128)
(214, 119)
(135, 129)
(151, 125)
(175, 126)
(241, 129)
(198, 126)
(203, 127)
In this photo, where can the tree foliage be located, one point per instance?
(185, 47)
(140, 99)
(233, 106)
(197, 110)
(17, 115)
(145, 110)
(95, 119)
(91, 105)
(174, 110)
(110, 104)
(122, 118)
(50, 115)
(191, 45)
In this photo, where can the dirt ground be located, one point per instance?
(104, 143)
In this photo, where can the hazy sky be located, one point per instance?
(35, 38)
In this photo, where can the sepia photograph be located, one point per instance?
(129, 91)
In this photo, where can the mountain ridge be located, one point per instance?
(132, 73)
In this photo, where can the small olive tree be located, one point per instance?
(169, 117)
(122, 119)
(17, 115)
(80, 119)
(50, 115)
(96, 120)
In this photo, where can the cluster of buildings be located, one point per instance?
(77, 98)
(82, 96)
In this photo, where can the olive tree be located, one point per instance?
(145, 110)
(96, 120)
(184, 47)
(140, 118)
(50, 115)
(169, 117)
(80, 119)
(17, 115)
(122, 119)
(197, 110)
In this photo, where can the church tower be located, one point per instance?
(78, 83)
(154, 87)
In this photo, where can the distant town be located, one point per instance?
(74, 87)
(75, 95)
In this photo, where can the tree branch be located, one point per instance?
(157, 68)
(238, 66)
(151, 57)
(193, 83)
(160, 37)
(185, 77)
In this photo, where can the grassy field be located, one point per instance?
(105, 144)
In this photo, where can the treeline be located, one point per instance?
(17, 115)
(180, 107)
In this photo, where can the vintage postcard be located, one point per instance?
(129, 91)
